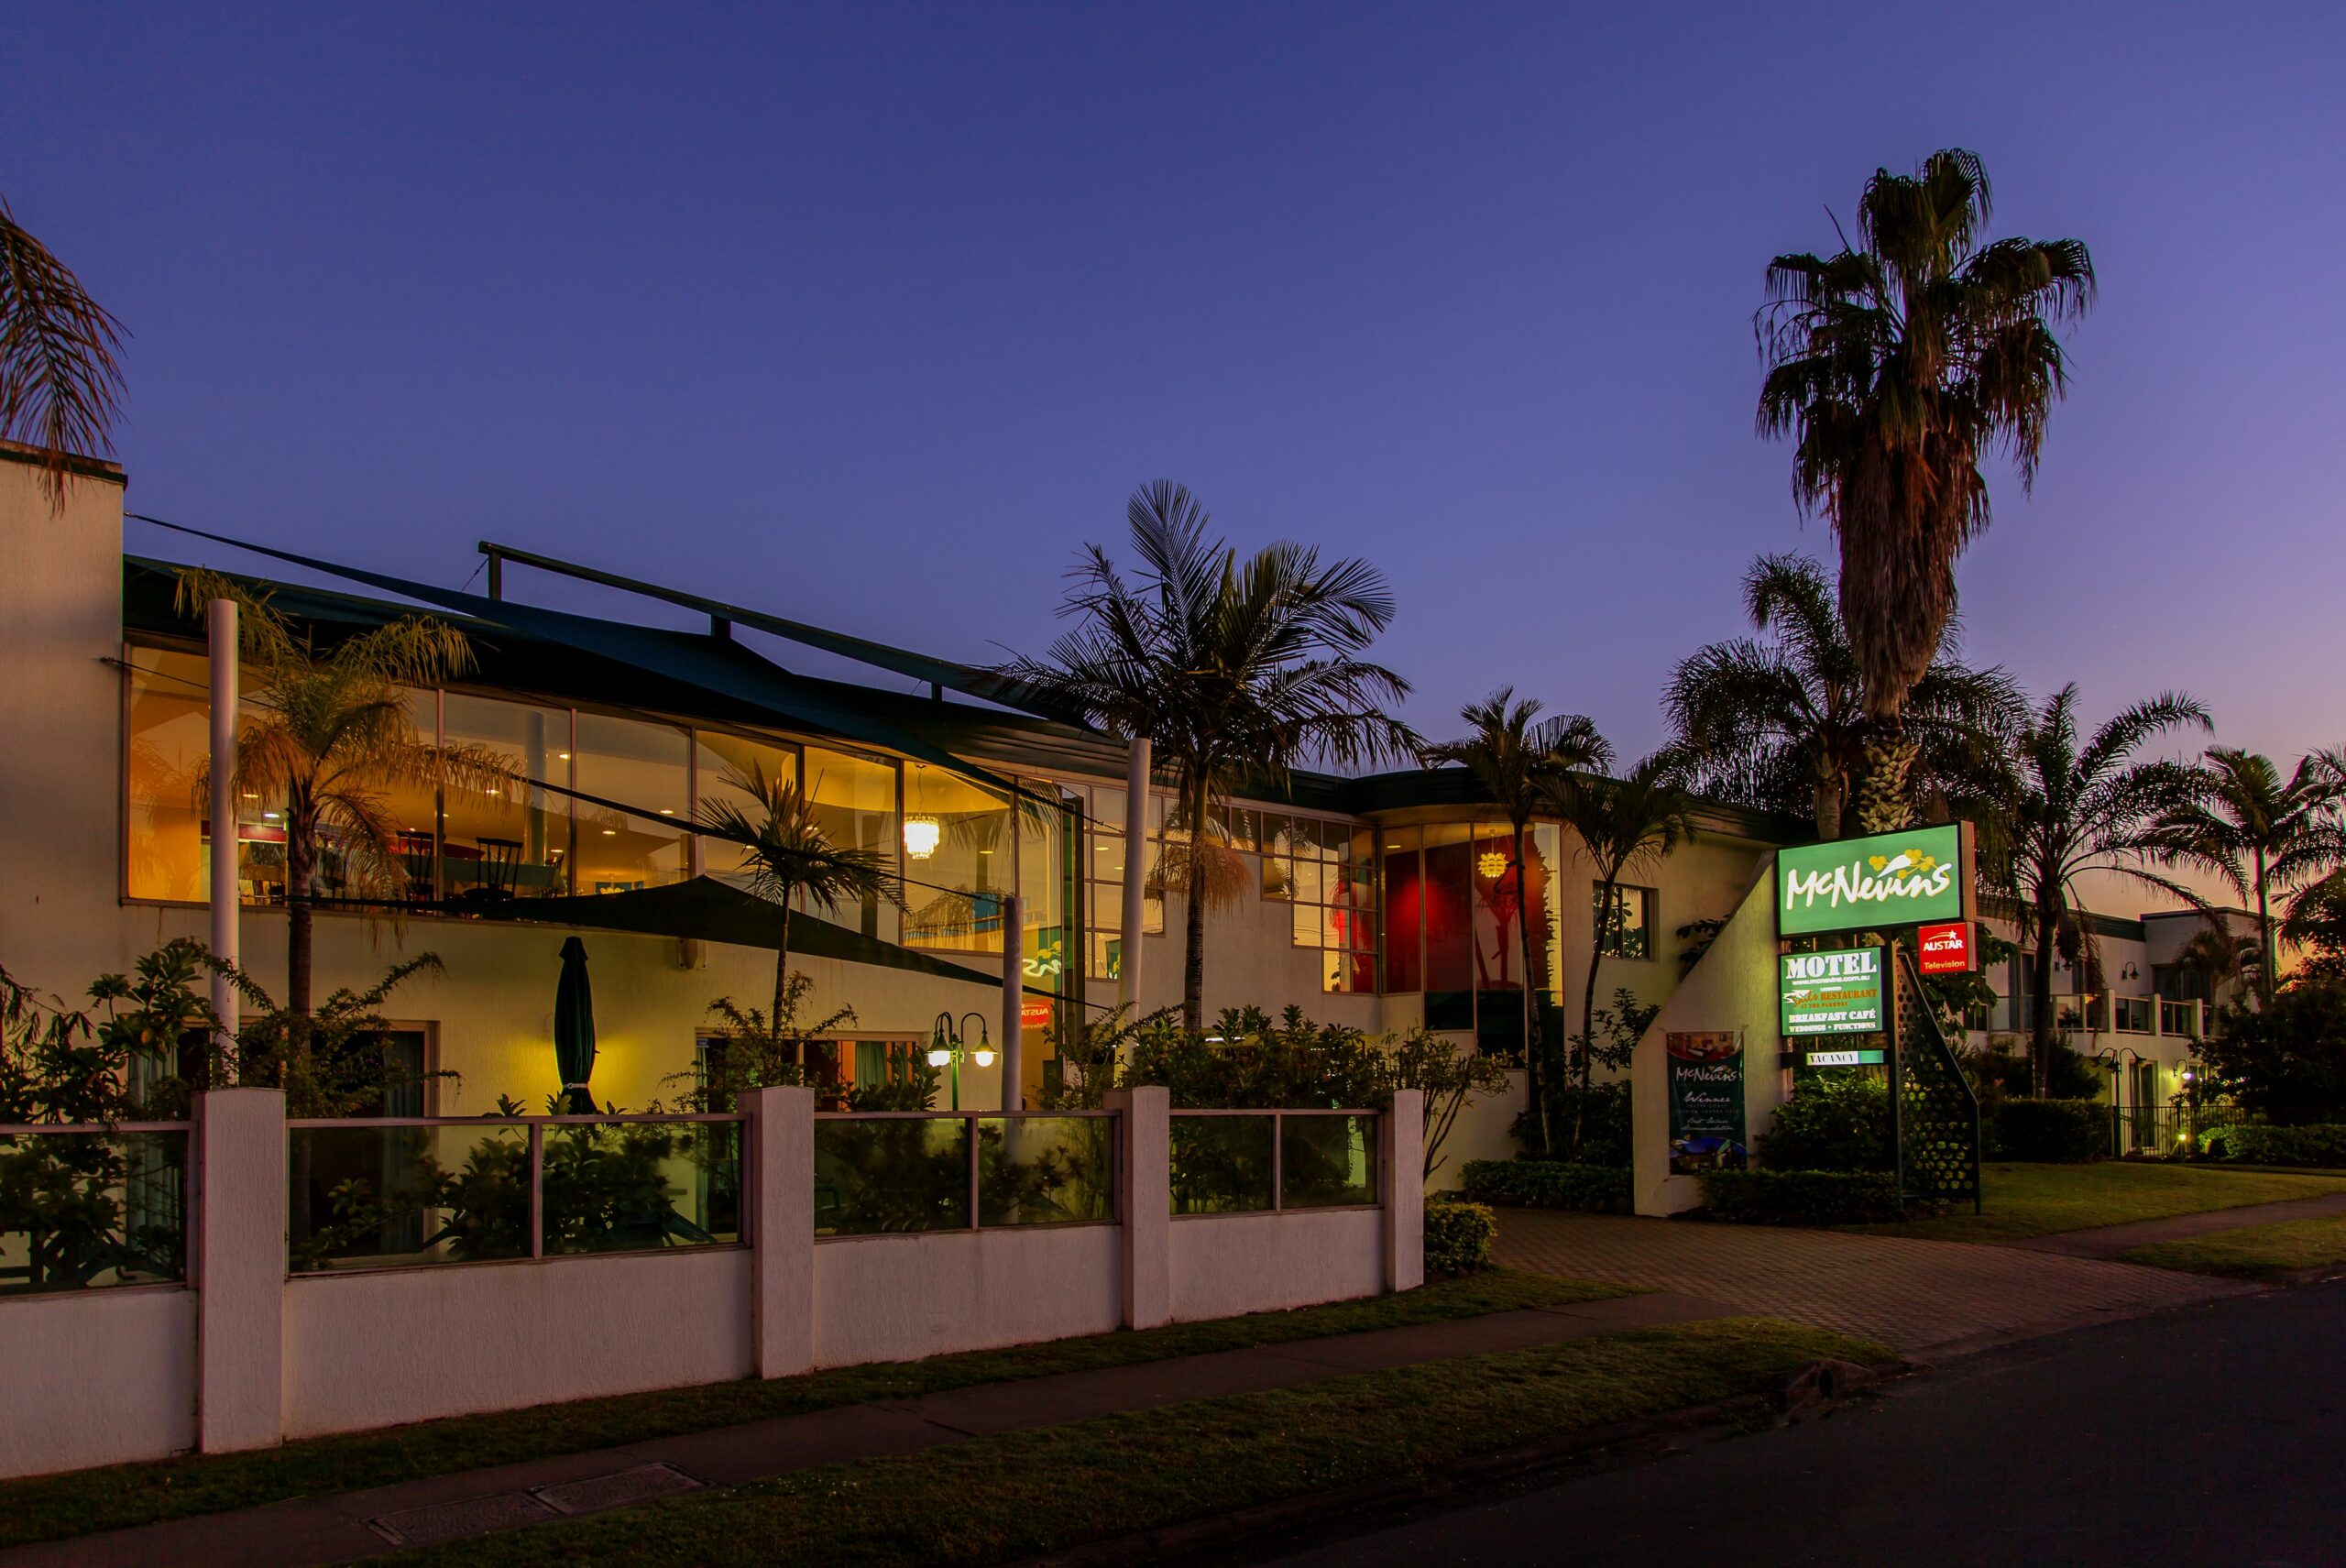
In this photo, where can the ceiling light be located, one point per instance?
(610, 832)
(921, 834)
(1493, 865)
(561, 756)
(667, 811)
(252, 795)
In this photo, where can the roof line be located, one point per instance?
(949, 673)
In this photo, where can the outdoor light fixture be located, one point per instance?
(946, 1047)
(1493, 865)
(939, 1057)
(921, 834)
(984, 1057)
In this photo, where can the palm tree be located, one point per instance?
(2220, 957)
(1226, 666)
(1623, 825)
(1782, 724)
(787, 851)
(1513, 755)
(332, 733)
(2259, 835)
(1897, 365)
(2060, 807)
(60, 387)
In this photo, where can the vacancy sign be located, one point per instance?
(1943, 949)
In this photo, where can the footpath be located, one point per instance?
(317, 1532)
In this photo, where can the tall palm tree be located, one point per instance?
(787, 851)
(331, 735)
(2261, 835)
(1515, 756)
(2061, 806)
(2222, 958)
(60, 387)
(1227, 666)
(1897, 365)
(1782, 724)
(1624, 824)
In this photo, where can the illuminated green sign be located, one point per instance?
(1830, 993)
(1861, 884)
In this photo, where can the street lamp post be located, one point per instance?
(948, 1044)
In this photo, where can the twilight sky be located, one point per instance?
(871, 315)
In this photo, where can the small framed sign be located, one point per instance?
(1943, 949)
(1706, 1130)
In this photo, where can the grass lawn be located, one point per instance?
(49, 1508)
(2258, 1252)
(1018, 1494)
(2023, 1200)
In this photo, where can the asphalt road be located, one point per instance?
(2214, 1434)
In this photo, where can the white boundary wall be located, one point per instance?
(244, 1357)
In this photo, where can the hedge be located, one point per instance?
(2277, 1146)
(1800, 1197)
(1546, 1184)
(1458, 1235)
(2050, 1132)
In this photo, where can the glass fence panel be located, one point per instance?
(633, 1186)
(1046, 1171)
(80, 1211)
(393, 1195)
(1327, 1161)
(1221, 1165)
(881, 1174)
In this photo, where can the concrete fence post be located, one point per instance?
(778, 1178)
(1145, 1202)
(238, 1264)
(1402, 1140)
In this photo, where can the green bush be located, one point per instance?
(1546, 1184)
(1800, 1197)
(1458, 1235)
(1836, 1122)
(2286, 1060)
(1601, 1112)
(2053, 1132)
(2277, 1146)
(2000, 1072)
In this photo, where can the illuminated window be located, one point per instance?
(1629, 933)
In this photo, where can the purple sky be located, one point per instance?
(871, 316)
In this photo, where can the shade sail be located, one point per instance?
(716, 665)
(705, 908)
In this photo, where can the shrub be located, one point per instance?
(1601, 1112)
(2054, 1132)
(1458, 1235)
(1800, 1197)
(2277, 1145)
(1546, 1184)
(2000, 1072)
(1837, 1123)
(2287, 1061)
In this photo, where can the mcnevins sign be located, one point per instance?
(1863, 885)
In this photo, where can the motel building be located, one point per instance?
(1031, 901)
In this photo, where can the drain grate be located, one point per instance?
(437, 1522)
(640, 1484)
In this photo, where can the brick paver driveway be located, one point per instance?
(1910, 1295)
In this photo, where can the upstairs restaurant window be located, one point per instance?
(959, 867)
(511, 840)
(644, 765)
(855, 801)
(169, 738)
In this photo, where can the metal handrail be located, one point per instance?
(100, 1129)
(490, 1122)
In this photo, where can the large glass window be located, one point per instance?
(855, 801)
(1326, 871)
(509, 840)
(1628, 932)
(1403, 908)
(958, 887)
(1449, 925)
(170, 738)
(1042, 879)
(644, 766)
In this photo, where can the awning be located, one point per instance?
(710, 910)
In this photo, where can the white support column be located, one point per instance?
(237, 1241)
(220, 627)
(1014, 981)
(1145, 1202)
(778, 1151)
(1401, 1150)
(1136, 772)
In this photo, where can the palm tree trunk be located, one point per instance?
(1828, 808)
(1532, 1076)
(1604, 924)
(781, 974)
(1882, 805)
(300, 854)
(2268, 962)
(1193, 964)
(2040, 1002)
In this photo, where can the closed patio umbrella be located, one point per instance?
(574, 1030)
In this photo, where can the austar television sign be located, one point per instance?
(1910, 878)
